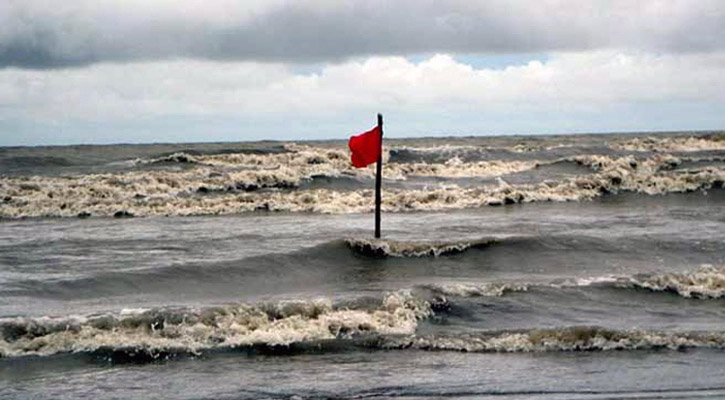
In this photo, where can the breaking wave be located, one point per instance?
(308, 161)
(163, 331)
(457, 168)
(665, 144)
(154, 334)
(394, 248)
(708, 282)
(386, 322)
(578, 338)
(178, 157)
(221, 184)
(491, 289)
(248, 182)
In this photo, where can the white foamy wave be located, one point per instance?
(491, 289)
(394, 248)
(208, 191)
(219, 184)
(31, 198)
(664, 144)
(583, 338)
(530, 148)
(158, 331)
(309, 161)
(445, 150)
(588, 281)
(456, 168)
(706, 283)
(179, 157)
(654, 175)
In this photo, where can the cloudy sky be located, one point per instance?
(110, 71)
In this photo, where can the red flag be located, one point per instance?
(365, 148)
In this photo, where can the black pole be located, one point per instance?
(378, 179)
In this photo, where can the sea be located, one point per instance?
(517, 267)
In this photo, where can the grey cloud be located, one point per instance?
(51, 34)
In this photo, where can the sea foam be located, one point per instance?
(239, 183)
(158, 331)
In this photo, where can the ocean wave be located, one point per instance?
(214, 183)
(456, 168)
(436, 152)
(309, 161)
(665, 144)
(707, 282)
(439, 152)
(387, 322)
(162, 331)
(208, 191)
(578, 338)
(532, 148)
(491, 289)
(178, 157)
(395, 248)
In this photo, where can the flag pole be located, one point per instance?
(378, 179)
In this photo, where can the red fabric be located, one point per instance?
(365, 148)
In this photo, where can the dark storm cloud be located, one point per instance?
(50, 34)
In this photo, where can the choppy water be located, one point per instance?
(569, 267)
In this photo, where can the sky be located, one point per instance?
(134, 71)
